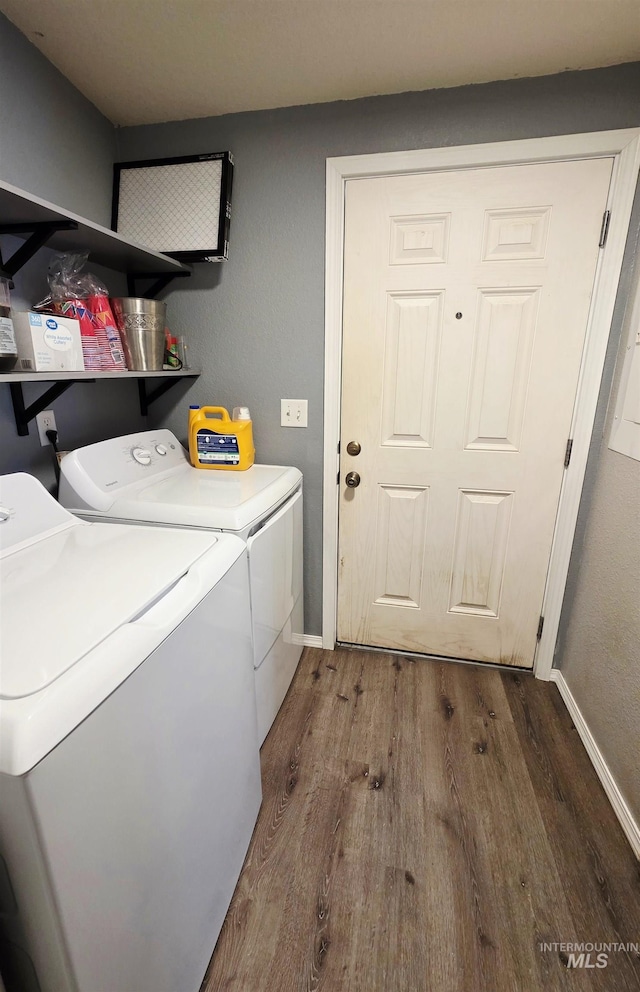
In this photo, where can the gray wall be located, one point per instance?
(255, 323)
(600, 646)
(55, 144)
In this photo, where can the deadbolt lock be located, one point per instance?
(353, 448)
(352, 479)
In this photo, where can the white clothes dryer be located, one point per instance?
(147, 478)
(129, 758)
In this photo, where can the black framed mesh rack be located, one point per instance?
(178, 206)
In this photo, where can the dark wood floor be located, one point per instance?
(425, 827)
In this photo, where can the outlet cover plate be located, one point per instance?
(46, 421)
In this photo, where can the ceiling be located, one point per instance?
(146, 61)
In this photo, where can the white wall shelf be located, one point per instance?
(41, 223)
(93, 376)
(61, 381)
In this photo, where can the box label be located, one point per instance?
(56, 337)
(7, 337)
(217, 449)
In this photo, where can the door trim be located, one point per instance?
(624, 147)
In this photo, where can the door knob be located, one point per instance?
(353, 448)
(352, 479)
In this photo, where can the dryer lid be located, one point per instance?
(68, 587)
(221, 500)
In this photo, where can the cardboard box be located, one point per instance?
(47, 343)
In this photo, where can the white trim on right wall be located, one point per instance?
(625, 429)
(615, 797)
(624, 147)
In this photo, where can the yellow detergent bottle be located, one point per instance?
(219, 441)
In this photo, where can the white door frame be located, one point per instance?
(624, 146)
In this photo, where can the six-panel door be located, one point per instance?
(466, 300)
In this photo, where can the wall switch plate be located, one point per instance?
(293, 413)
(46, 421)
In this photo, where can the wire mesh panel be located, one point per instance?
(178, 206)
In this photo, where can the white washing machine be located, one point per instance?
(129, 758)
(147, 478)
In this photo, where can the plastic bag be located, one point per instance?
(65, 275)
(82, 295)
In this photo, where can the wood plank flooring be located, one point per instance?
(425, 826)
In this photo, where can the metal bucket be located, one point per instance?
(141, 324)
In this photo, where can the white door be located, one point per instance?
(466, 298)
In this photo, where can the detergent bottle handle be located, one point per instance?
(215, 411)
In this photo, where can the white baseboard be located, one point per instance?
(312, 641)
(308, 640)
(617, 800)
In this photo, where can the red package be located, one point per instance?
(91, 350)
(107, 333)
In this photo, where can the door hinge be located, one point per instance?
(604, 230)
(338, 479)
(540, 626)
(567, 452)
(338, 447)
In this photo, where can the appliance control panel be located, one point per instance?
(122, 461)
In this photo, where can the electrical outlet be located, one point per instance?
(293, 413)
(46, 421)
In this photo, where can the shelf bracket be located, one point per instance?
(25, 414)
(4, 274)
(147, 398)
(161, 282)
(39, 235)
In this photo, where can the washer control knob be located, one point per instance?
(142, 456)
(160, 448)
